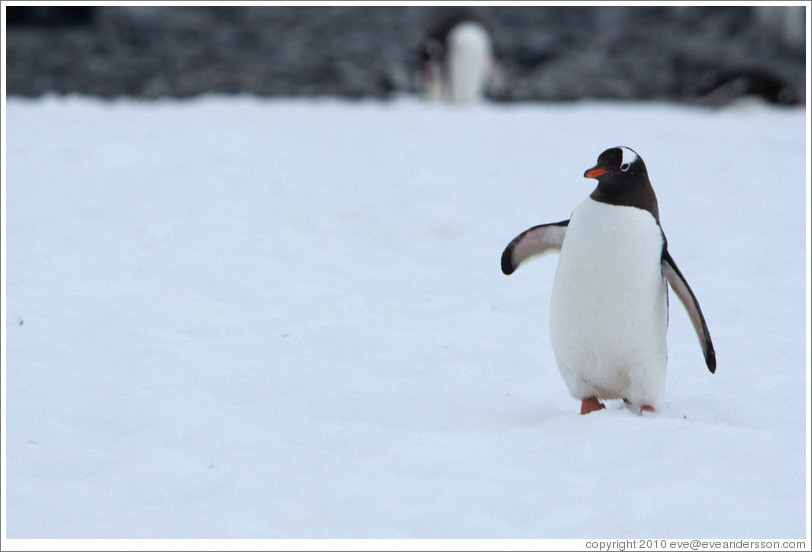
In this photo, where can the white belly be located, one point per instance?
(469, 59)
(608, 310)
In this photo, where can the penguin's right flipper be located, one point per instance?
(533, 242)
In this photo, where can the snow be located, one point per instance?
(253, 318)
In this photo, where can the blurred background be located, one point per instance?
(682, 54)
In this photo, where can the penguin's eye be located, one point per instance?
(624, 167)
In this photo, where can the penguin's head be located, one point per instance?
(623, 180)
(431, 51)
(618, 168)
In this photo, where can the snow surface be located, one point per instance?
(247, 318)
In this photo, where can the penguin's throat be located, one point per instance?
(641, 197)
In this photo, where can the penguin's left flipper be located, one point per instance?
(688, 299)
(533, 242)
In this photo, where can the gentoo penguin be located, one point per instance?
(609, 303)
(456, 62)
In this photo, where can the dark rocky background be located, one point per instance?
(546, 53)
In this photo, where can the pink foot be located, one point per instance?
(591, 404)
(647, 408)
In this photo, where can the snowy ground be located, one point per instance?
(237, 318)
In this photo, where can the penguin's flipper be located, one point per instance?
(533, 242)
(683, 291)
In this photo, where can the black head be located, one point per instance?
(618, 167)
(431, 50)
(623, 180)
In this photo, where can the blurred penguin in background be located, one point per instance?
(457, 64)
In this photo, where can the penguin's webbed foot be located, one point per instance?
(591, 404)
(645, 408)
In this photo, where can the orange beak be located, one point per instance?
(595, 172)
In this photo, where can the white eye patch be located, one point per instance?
(629, 157)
